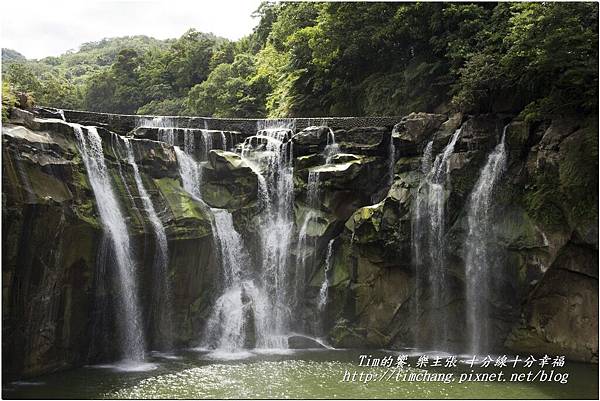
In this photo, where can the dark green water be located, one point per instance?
(301, 374)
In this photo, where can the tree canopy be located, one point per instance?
(339, 59)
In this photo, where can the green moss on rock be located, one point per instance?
(188, 217)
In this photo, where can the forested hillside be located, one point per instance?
(338, 59)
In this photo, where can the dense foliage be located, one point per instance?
(333, 59)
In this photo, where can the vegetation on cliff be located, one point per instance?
(332, 59)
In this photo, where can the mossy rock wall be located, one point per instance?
(545, 225)
(58, 298)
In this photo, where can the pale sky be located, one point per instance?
(41, 28)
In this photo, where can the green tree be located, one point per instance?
(187, 60)
(22, 78)
(230, 91)
(342, 58)
(58, 92)
(127, 93)
(9, 100)
(164, 107)
(100, 91)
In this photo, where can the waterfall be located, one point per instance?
(417, 239)
(256, 310)
(223, 141)
(275, 231)
(269, 151)
(190, 172)
(188, 141)
(302, 251)
(478, 264)
(207, 142)
(332, 148)
(391, 160)
(129, 321)
(250, 311)
(325, 286)
(312, 201)
(312, 189)
(428, 229)
(238, 316)
(427, 161)
(161, 307)
(166, 128)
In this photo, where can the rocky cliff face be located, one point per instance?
(58, 298)
(545, 223)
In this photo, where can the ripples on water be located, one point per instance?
(306, 374)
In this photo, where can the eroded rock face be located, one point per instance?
(415, 129)
(365, 140)
(538, 250)
(310, 140)
(561, 313)
(57, 293)
(229, 182)
(47, 281)
(544, 214)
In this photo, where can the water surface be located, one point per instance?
(286, 374)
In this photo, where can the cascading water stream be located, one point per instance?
(189, 145)
(165, 125)
(161, 305)
(255, 311)
(332, 148)
(323, 292)
(271, 160)
(312, 201)
(207, 142)
(391, 160)
(417, 234)
(223, 140)
(167, 128)
(479, 267)
(302, 248)
(238, 314)
(190, 173)
(428, 229)
(129, 323)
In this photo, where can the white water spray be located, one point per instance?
(130, 326)
(428, 229)
(479, 264)
(162, 290)
(325, 286)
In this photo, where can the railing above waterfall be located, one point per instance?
(123, 123)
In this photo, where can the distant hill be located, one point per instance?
(83, 78)
(11, 55)
(89, 58)
(104, 52)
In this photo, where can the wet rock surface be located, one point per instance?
(545, 227)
